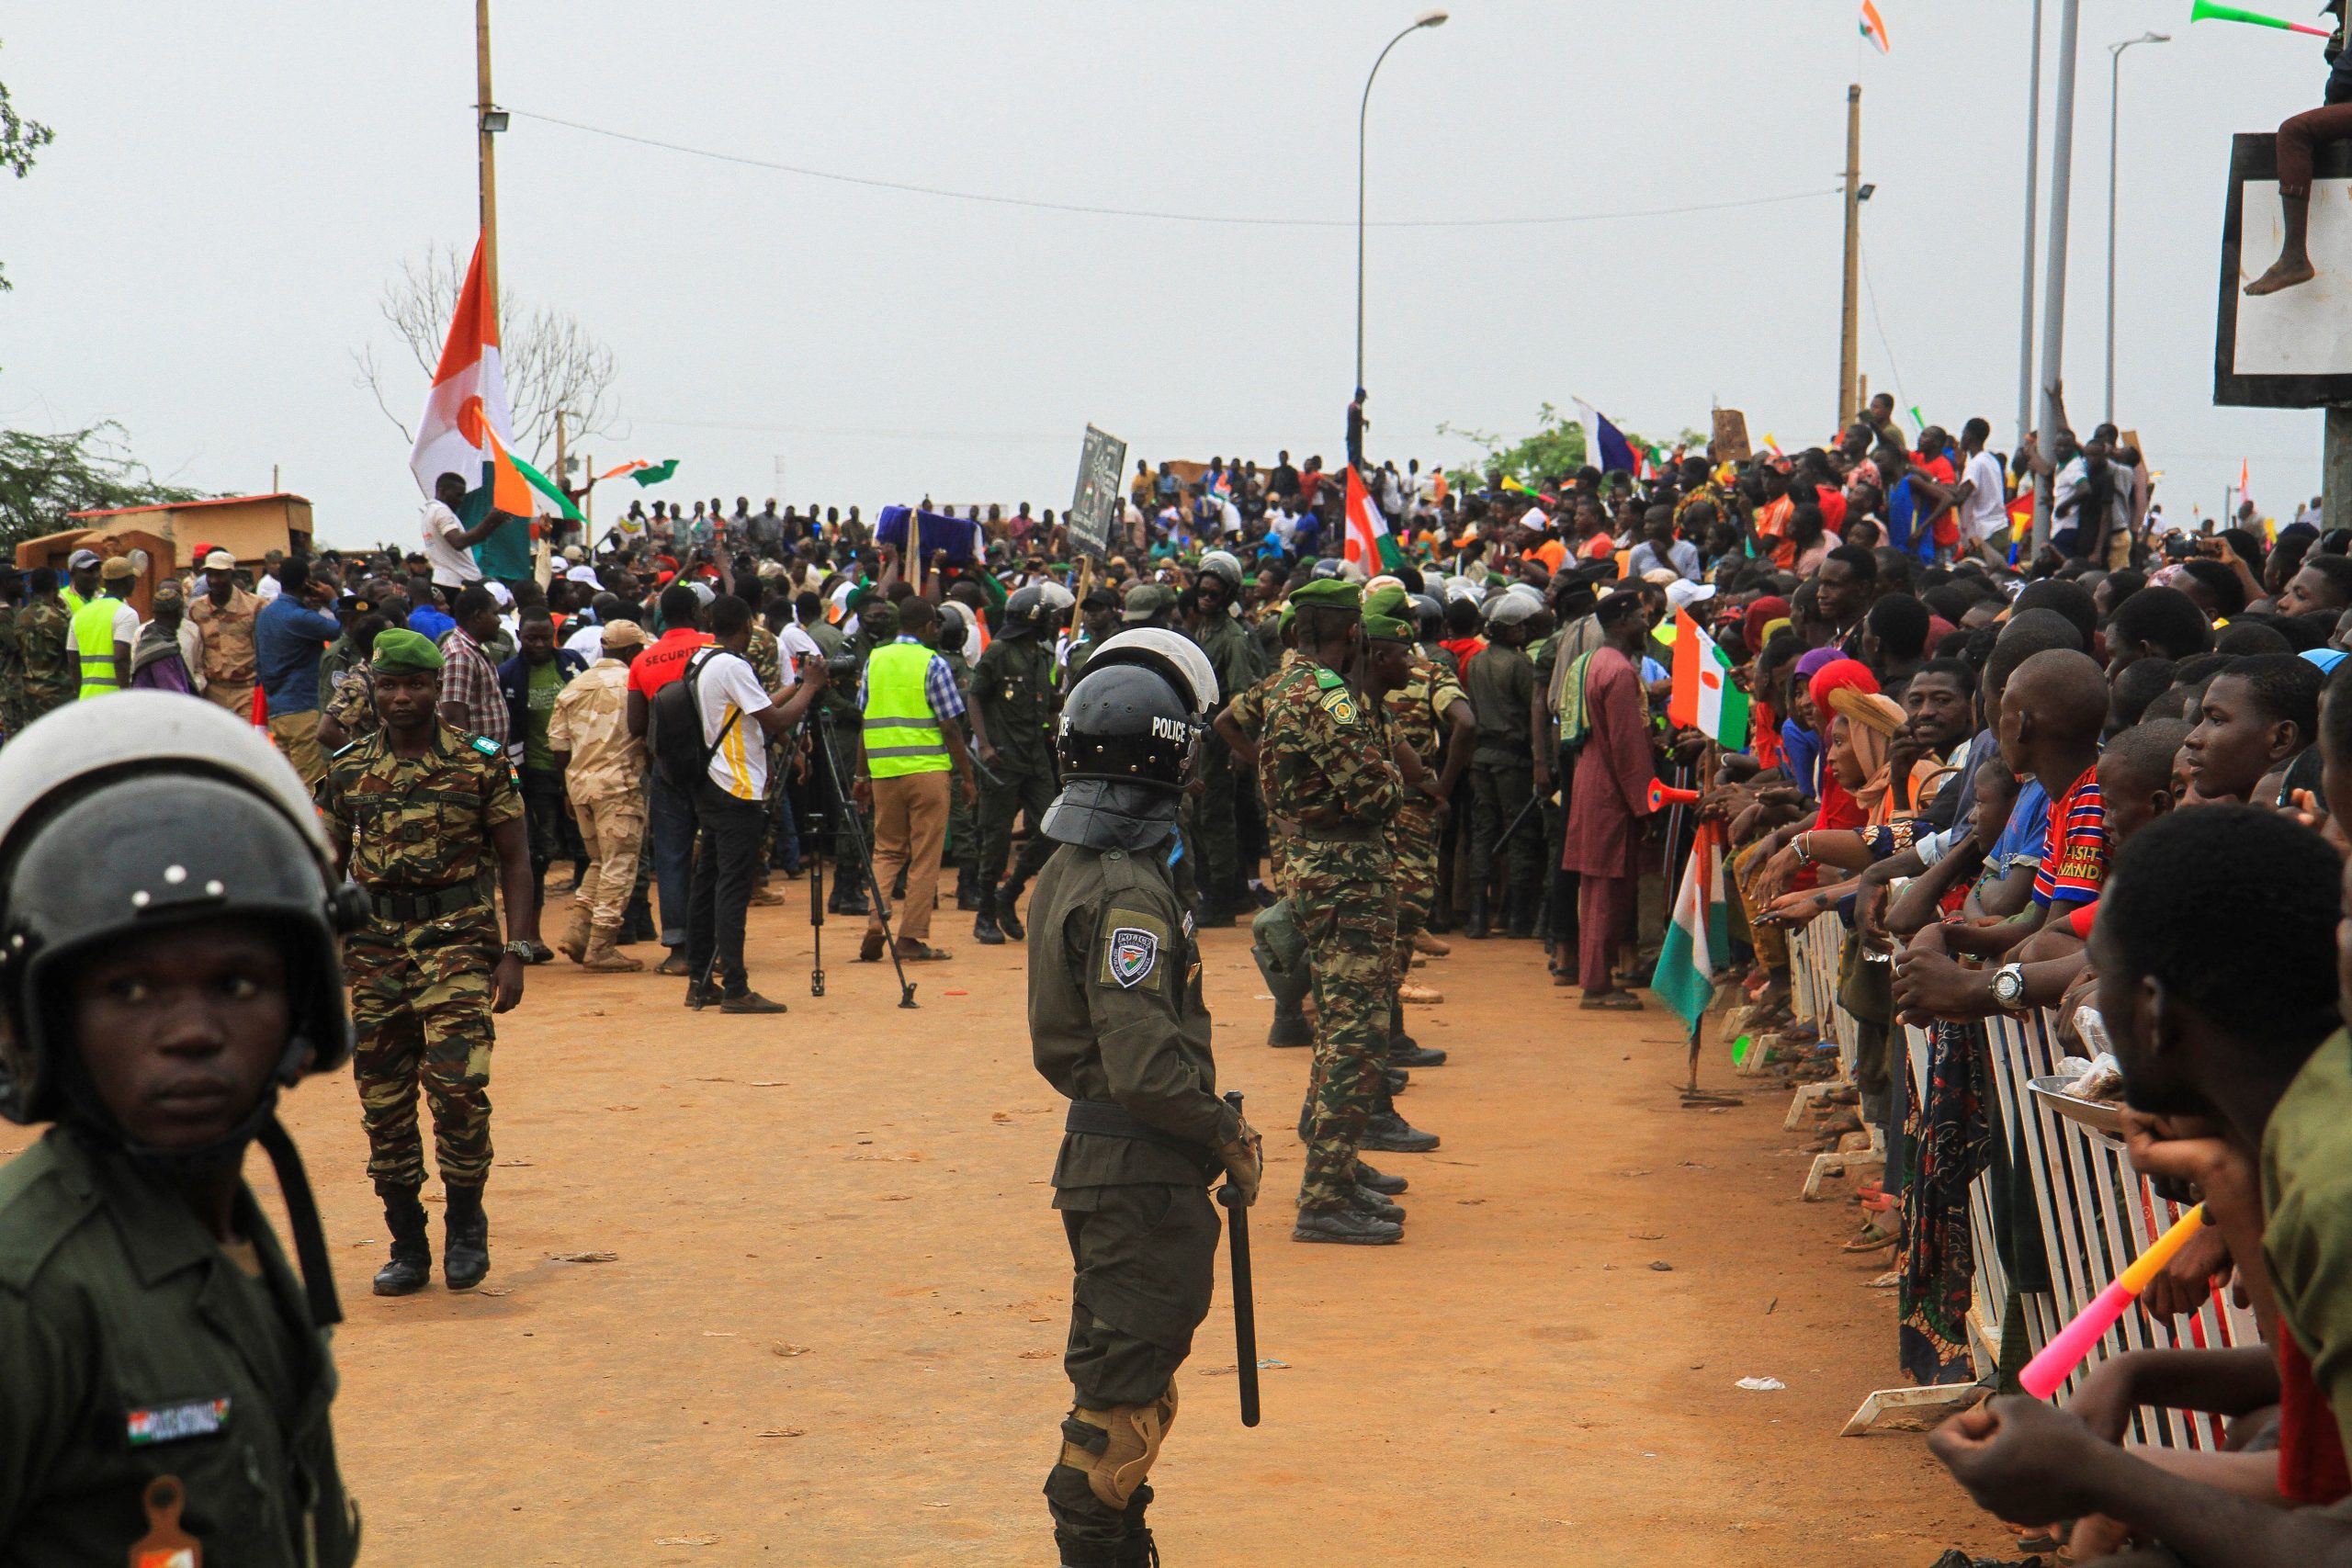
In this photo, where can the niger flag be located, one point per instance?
(1368, 541)
(467, 429)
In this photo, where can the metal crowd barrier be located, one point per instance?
(2096, 1214)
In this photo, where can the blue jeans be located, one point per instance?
(674, 857)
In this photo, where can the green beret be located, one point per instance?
(1387, 617)
(1329, 593)
(1281, 622)
(400, 651)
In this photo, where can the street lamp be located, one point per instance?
(2114, 118)
(1426, 19)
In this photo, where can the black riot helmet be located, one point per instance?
(146, 812)
(1024, 612)
(1128, 733)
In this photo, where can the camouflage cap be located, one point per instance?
(400, 651)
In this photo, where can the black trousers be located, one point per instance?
(726, 865)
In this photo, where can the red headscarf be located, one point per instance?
(1838, 807)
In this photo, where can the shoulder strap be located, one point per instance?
(692, 678)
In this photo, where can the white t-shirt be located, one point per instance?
(725, 682)
(588, 642)
(453, 564)
(1988, 512)
(126, 629)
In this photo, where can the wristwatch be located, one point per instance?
(521, 950)
(2008, 987)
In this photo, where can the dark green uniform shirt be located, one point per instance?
(132, 1346)
(1232, 654)
(1115, 1014)
(1501, 685)
(1013, 691)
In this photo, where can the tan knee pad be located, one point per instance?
(1134, 1432)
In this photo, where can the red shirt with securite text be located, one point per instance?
(665, 660)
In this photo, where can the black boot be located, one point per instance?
(1007, 921)
(1518, 915)
(1386, 1186)
(848, 898)
(1138, 1551)
(1477, 928)
(1404, 1051)
(412, 1260)
(1290, 1029)
(1388, 1133)
(1393, 1079)
(464, 1247)
(984, 927)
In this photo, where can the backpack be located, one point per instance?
(674, 728)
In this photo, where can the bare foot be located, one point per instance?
(2284, 273)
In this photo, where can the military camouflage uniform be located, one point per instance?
(1417, 716)
(353, 705)
(1249, 711)
(418, 837)
(1209, 820)
(12, 673)
(1331, 784)
(50, 679)
(1115, 998)
(766, 657)
(1013, 691)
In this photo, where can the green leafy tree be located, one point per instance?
(45, 478)
(19, 140)
(1558, 447)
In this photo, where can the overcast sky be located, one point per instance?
(234, 183)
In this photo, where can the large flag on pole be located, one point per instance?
(467, 428)
(1698, 939)
(1368, 541)
(1704, 697)
(1875, 26)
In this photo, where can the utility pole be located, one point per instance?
(2032, 200)
(562, 478)
(1849, 339)
(2053, 284)
(489, 158)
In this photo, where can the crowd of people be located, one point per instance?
(2107, 771)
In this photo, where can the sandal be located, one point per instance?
(1611, 1001)
(1871, 1239)
(921, 952)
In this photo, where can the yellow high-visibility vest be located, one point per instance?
(902, 734)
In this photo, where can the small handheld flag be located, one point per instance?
(1368, 542)
(2207, 11)
(1704, 698)
(1874, 26)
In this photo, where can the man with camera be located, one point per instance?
(907, 743)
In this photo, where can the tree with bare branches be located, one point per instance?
(551, 361)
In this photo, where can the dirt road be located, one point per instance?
(829, 1332)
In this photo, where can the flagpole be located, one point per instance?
(1849, 335)
(488, 158)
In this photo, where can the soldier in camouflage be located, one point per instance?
(1331, 784)
(430, 822)
(1426, 707)
(51, 678)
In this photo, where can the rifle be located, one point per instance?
(1244, 1306)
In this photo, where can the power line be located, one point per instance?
(1086, 210)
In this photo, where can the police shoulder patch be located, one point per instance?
(1132, 940)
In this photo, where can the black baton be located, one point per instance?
(1245, 1309)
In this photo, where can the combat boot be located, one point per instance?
(1385, 1185)
(968, 889)
(848, 898)
(1007, 919)
(1290, 1029)
(1349, 1227)
(1387, 1132)
(1406, 1051)
(573, 943)
(464, 1247)
(1366, 1202)
(1138, 1551)
(412, 1260)
(1519, 918)
(1393, 1079)
(604, 955)
(985, 930)
(1476, 930)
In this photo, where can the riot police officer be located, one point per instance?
(1013, 738)
(1118, 1025)
(168, 965)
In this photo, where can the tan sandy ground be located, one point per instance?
(830, 1335)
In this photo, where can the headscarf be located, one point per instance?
(1754, 625)
(1835, 674)
(1870, 722)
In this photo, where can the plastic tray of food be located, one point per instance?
(2102, 1115)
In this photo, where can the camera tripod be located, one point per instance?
(855, 821)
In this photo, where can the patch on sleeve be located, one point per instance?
(1131, 943)
(1340, 706)
(170, 1423)
(486, 746)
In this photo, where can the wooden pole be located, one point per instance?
(1850, 337)
(489, 158)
